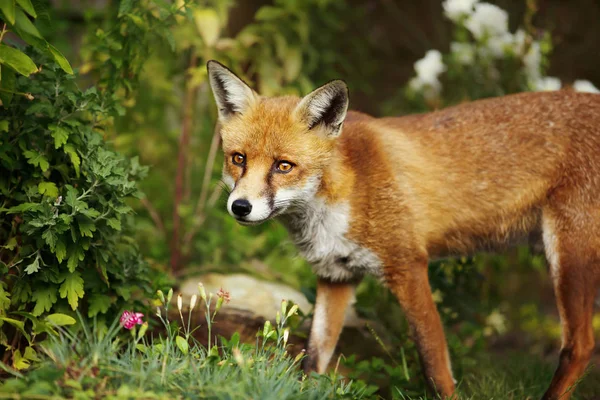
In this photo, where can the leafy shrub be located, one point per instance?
(63, 227)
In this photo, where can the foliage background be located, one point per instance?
(150, 60)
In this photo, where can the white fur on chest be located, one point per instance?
(319, 231)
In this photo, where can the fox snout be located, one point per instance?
(241, 208)
(249, 211)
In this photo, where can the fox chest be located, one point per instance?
(320, 234)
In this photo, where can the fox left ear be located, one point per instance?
(325, 107)
(232, 94)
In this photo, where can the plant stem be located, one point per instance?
(184, 141)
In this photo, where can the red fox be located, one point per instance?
(362, 195)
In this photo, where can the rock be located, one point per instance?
(256, 297)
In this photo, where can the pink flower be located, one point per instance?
(129, 319)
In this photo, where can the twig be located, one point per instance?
(184, 141)
(199, 215)
(154, 215)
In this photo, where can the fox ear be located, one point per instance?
(325, 107)
(232, 94)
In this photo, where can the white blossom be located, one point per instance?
(547, 83)
(463, 52)
(532, 61)
(497, 45)
(428, 69)
(455, 9)
(487, 19)
(519, 41)
(581, 85)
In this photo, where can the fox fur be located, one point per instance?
(383, 196)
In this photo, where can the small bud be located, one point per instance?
(299, 356)
(237, 356)
(158, 312)
(29, 96)
(267, 328)
(219, 304)
(193, 302)
(202, 291)
(170, 295)
(179, 302)
(286, 335)
(293, 310)
(143, 330)
(278, 318)
(161, 296)
(284, 304)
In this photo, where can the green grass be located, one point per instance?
(515, 376)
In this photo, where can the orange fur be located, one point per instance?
(396, 192)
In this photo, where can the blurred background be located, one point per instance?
(398, 57)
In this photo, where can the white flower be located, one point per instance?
(487, 19)
(532, 61)
(463, 52)
(428, 69)
(581, 85)
(497, 45)
(546, 84)
(519, 41)
(454, 9)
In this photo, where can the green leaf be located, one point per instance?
(61, 251)
(59, 134)
(267, 13)
(75, 160)
(50, 237)
(98, 304)
(114, 223)
(76, 254)
(208, 25)
(182, 344)
(125, 6)
(8, 9)
(72, 289)
(24, 25)
(33, 267)
(11, 244)
(86, 227)
(60, 319)
(17, 60)
(28, 7)
(44, 299)
(8, 82)
(60, 59)
(19, 362)
(20, 325)
(4, 125)
(30, 354)
(48, 189)
(36, 159)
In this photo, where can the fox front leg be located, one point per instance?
(330, 309)
(410, 284)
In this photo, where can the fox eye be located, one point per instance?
(238, 159)
(284, 166)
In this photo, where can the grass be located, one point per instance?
(514, 376)
(114, 363)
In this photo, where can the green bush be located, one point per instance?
(64, 229)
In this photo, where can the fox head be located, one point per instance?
(276, 148)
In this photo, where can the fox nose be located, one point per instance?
(241, 207)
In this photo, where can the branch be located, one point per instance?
(184, 141)
(154, 215)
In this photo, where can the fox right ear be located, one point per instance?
(232, 94)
